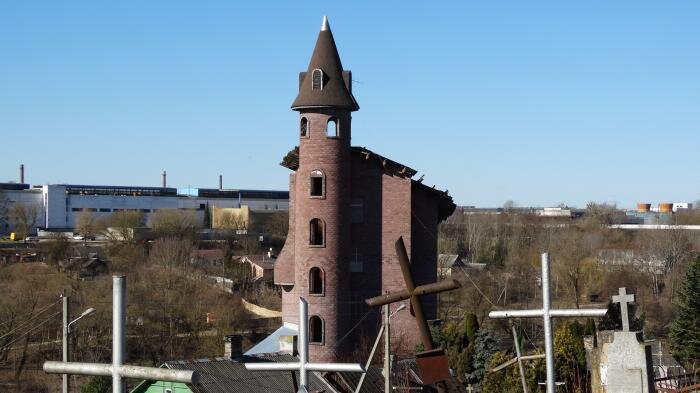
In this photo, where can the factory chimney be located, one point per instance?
(165, 183)
(221, 182)
(21, 173)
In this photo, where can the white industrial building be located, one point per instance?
(58, 205)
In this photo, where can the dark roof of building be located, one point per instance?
(260, 260)
(336, 87)
(291, 160)
(14, 186)
(224, 375)
(247, 194)
(83, 189)
(445, 203)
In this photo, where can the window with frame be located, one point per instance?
(357, 206)
(316, 232)
(317, 79)
(316, 281)
(332, 128)
(317, 186)
(315, 330)
(304, 127)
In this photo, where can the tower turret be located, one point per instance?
(322, 197)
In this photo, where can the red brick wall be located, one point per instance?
(332, 156)
(391, 209)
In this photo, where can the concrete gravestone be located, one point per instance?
(620, 362)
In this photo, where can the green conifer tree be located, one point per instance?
(685, 328)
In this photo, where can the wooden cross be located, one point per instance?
(118, 370)
(303, 365)
(547, 313)
(623, 298)
(518, 358)
(432, 362)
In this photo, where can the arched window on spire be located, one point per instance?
(332, 128)
(304, 127)
(315, 330)
(317, 79)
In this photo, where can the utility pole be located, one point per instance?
(66, 318)
(387, 350)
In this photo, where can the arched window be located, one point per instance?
(315, 330)
(316, 281)
(332, 127)
(317, 186)
(317, 79)
(304, 127)
(316, 232)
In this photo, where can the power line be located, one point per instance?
(24, 315)
(25, 323)
(7, 346)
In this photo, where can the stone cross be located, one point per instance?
(412, 292)
(303, 365)
(623, 298)
(547, 313)
(118, 370)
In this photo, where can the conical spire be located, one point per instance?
(325, 84)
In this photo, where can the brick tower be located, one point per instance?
(347, 207)
(322, 190)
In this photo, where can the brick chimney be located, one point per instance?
(233, 346)
(221, 182)
(21, 173)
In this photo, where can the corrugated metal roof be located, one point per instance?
(226, 376)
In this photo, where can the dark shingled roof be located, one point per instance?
(337, 84)
(225, 376)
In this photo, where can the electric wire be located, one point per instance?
(23, 324)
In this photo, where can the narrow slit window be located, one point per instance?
(315, 330)
(316, 281)
(332, 127)
(304, 127)
(317, 186)
(316, 235)
(317, 79)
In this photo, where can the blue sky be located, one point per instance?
(536, 102)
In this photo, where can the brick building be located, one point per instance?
(347, 207)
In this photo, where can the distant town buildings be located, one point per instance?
(58, 206)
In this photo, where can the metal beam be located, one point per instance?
(126, 371)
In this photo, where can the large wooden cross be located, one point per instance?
(432, 362)
(303, 365)
(118, 370)
(547, 313)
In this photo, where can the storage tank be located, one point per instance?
(665, 207)
(643, 207)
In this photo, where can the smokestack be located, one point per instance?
(165, 183)
(221, 182)
(21, 173)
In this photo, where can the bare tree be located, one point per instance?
(23, 217)
(4, 220)
(88, 225)
(181, 224)
(120, 225)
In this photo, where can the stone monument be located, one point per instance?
(620, 361)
